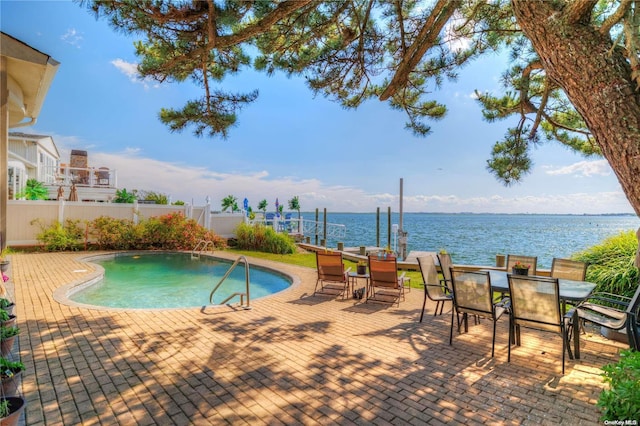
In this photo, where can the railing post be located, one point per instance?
(61, 210)
(135, 212)
(207, 216)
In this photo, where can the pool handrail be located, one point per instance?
(202, 245)
(246, 274)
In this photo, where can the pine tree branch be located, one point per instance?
(441, 13)
(616, 17)
(579, 10)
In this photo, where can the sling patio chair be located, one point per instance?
(472, 294)
(332, 277)
(633, 328)
(535, 303)
(516, 260)
(532, 261)
(384, 283)
(434, 288)
(613, 311)
(445, 268)
(568, 269)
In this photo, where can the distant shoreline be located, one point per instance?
(384, 212)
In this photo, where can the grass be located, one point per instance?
(309, 260)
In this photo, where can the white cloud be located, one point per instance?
(72, 37)
(455, 42)
(582, 168)
(130, 69)
(195, 184)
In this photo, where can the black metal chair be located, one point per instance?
(532, 261)
(615, 312)
(472, 294)
(445, 267)
(568, 269)
(535, 303)
(434, 288)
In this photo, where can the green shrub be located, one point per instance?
(116, 234)
(60, 237)
(168, 232)
(263, 238)
(611, 264)
(622, 400)
(122, 196)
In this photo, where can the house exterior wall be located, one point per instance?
(38, 154)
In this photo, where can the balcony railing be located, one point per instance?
(100, 177)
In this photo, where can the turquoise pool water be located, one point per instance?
(173, 280)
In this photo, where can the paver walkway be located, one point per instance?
(294, 358)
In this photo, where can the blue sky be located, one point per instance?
(288, 143)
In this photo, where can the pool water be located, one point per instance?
(173, 280)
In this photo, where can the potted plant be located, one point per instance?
(7, 336)
(11, 407)
(4, 262)
(7, 305)
(361, 268)
(6, 319)
(10, 375)
(520, 268)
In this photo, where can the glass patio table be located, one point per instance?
(570, 290)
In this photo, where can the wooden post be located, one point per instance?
(316, 226)
(378, 227)
(389, 226)
(324, 226)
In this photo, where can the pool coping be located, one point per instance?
(62, 293)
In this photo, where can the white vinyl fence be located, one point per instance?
(25, 218)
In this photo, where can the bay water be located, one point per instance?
(476, 239)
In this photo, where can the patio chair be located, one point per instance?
(285, 225)
(331, 270)
(512, 259)
(269, 218)
(384, 283)
(615, 312)
(535, 303)
(472, 294)
(633, 330)
(445, 267)
(568, 269)
(527, 260)
(434, 289)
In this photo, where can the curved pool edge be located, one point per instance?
(62, 293)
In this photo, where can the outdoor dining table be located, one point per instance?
(570, 291)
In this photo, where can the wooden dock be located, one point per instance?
(355, 254)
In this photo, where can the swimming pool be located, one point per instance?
(171, 280)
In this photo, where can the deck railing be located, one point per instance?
(100, 177)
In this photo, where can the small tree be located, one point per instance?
(34, 190)
(262, 205)
(230, 202)
(294, 204)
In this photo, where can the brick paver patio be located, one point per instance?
(294, 358)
